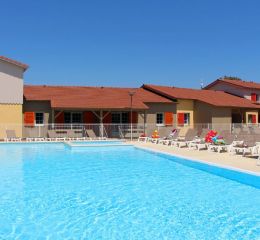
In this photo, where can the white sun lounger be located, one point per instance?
(11, 136)
(54, 136)
(92, 136)
(170, 138)
(190, 136)
(142, 139)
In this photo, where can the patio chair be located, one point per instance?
(55, 136)
(230, 142)
(154, 137)
(251, 146)
(142, 139)
(11, 136)
(92, 135)
(248, 142)
(190, 136)
(32, 138)
(73, 135)
(199, 143)
(172, 136)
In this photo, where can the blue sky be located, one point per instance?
(127, 43)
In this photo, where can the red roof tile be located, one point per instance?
(216, 98)
(19, 64)
(239, 83)
(92, 97)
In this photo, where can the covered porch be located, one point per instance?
(107, 123)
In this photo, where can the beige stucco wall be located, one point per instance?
(11, 119)
(202, 113)
(11, 83)
(39, 106)
(151, 117)
(218, 117)
(221, 118)
(253, 113)
(186, 106)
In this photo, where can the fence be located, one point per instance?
(123, 131)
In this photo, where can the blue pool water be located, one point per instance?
(50, 191)
(99, 142)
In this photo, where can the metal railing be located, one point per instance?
(116, 130)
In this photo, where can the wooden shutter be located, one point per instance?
(168, 116)
(29, 118)
(59, 118)
(253, 97)
(180, 118)
(89, 117)
(253, 118)
(108, 118)
(135, 117)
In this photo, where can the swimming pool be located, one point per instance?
(50, 191)
(97, 143)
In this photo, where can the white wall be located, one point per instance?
(11, 83)
(242, 92)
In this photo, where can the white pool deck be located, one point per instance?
(221, 159)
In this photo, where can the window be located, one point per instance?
(159, 119)
(72, 117)
(125, 117)
(67, 117)
(252, 118)
(120, 117)
(116, 117)
(76, 117)
(39, 118)
(254, 97)
(183, 119)
(186, 119)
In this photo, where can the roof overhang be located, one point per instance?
(14, 62)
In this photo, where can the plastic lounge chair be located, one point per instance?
(190, 136)
(91, 134)
(142, 139)
(171, 137)
(199, 143)
(73, 136)
(230, 142)
(154, 138)
(11, 136)
(34, 139)
(55, 136)
(251, 147)
(247, 143)
(258, 157)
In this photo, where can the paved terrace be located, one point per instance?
(221, 159)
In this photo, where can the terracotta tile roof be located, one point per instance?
(239, 83)
(92, 97)
(19, 64)
(216, 98)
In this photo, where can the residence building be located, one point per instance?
(33, 110)
(199, 107)
(246, 89)
(92, 106)
(11, 95)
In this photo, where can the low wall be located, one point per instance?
(11, 119)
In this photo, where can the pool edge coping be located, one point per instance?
(185, 158)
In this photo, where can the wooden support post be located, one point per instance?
(101, 122)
